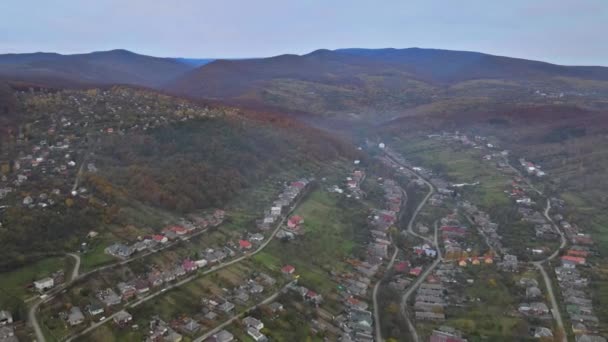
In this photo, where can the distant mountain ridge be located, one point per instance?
(103, 67)
(223, 78)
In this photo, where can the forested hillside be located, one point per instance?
(81, 160)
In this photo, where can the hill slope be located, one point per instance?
(137, 149)
(105, 67)
(376, 81)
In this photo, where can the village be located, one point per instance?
(436, 263)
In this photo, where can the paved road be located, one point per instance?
(539, 264)
(388, 267)
(31, 314)
(192, 277)
(76, 269)
(557, 315)
(413, 287)
(410, 230)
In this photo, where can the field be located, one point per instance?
(13, 285)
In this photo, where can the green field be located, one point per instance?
(13, 284)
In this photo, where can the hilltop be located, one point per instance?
(102, 67)
(381, 82)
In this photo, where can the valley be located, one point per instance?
(340, 195)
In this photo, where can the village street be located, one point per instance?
(388, 267)
(235, 317)
(555, 307)
(420, 279)
(195, 276)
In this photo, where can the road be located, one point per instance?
(234, 318)
(31, 314)
(425, 274)
(557, 315)
(555, 310)
(413, 287)
(76, 269)
(75, 275)
(388, 267)
(192, 277)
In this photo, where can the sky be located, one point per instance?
(572, 32)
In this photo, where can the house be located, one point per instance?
(415, 271)
(244, 244)
(540, 332)
(446, 334)
(589, 338)
(256, 335)
(141, 286)
(191, 326)
(189, 265)
(288, 269)
(488, 260)
(44, 284)
(572, 261)
(295, 221)
(75, 316)
(127, 291)
(201, 263)
(402, 266)
(119, 250)
(314, 297)
(223, 336)
(226, 307)
(95, 309)
(253, 322)
(276, 307)
(462, 262)
(7, 334)
(257, 237)
(160, 238)
(5, 318)
(109, 297)
(122, 318)
(275, 211)
(178, 230)
(533, 292)
(475, 261)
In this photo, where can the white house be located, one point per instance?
(275, 211)
(253, 322)
(201, 263)
(256, 335)
(44, 284)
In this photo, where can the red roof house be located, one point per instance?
(295, 221)
(288, 269)
(159, 238)
(189, 265)
(416, 271)
(402, 266)
(298, 184)
(244, 244)
(568, 259)
(578, 253)
(179, 230)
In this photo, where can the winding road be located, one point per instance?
(434, 242)
(557, 315)
(388, 267)
(539, 264)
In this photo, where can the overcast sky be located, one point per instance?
(559, 31)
